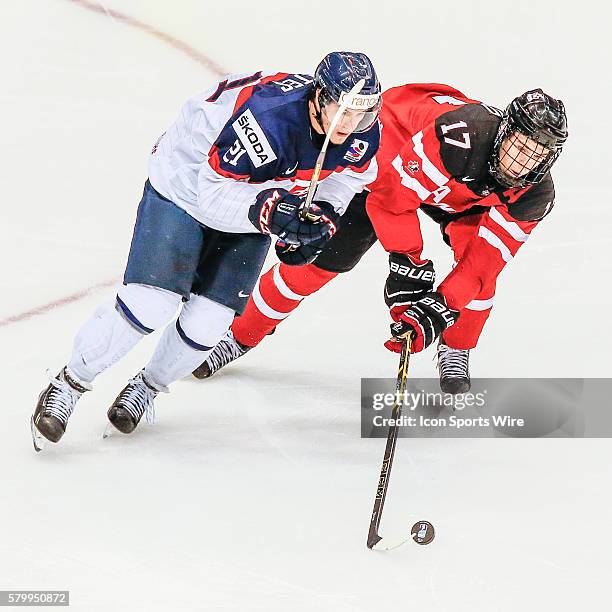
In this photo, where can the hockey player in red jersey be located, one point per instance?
(482, 174)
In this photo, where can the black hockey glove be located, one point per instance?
(407, 281)
(276, 211)
(302, 255)
(426, 319)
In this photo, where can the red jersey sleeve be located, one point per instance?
(496, 242)
(501, 232)
(394, 214)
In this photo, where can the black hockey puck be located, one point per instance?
(423, 532)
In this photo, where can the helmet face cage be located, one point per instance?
(528, 151)
(336, 75)
(540, 119)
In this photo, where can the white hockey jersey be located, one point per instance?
(249, 133)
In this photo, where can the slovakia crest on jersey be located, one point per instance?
(357, 150)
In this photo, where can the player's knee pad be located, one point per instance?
(146, 307)
(101, 341)
(203, 322)
(304, 280)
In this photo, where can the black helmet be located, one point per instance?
(542, 119)
(338, 73)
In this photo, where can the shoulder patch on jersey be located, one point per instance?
(357, 149)
(535, 203)
(466, 138)
(253, 139)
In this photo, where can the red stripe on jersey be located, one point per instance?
(358, 170)
(226, 85)
(512, 195)
(220, 89)
(247, 92)
(306, 175)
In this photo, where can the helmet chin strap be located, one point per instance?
(317, 114)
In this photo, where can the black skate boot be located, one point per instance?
(55, 405)
(454, 369)
(228, 350)
(135, 399)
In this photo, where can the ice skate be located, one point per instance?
(228, 350)
(54, 407)
(454, 369)
(135, 399)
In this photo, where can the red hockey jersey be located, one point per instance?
(434, 153)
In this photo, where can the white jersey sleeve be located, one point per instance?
(180, 168)
(223, 203)
(339, 188)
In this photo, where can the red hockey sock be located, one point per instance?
(465, 332)
(276, 295)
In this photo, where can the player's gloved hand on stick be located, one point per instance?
(425, 320)
(409, 279)
(292, 255)
(276, 211)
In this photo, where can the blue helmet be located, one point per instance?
(338, 73)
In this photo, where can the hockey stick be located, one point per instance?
(374, 540)
(305, 212)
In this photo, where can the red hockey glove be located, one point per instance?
(425, 320)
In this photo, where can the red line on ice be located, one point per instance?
(194, 54)
(173, 42)
(64, 301)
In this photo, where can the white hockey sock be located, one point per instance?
(101, 342)
(185, 344)
(173, 358)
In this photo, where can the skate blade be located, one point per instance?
(38, 440)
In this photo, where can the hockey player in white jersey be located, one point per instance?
(228, 174)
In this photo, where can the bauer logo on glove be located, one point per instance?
(410, 271)
(424, 321)
(409, 280)
(447, 315)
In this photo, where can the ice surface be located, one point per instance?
(253, 491)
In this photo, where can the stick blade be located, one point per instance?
(373, 540)
(388, 543)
